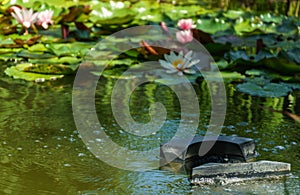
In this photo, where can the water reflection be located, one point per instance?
(42, 153)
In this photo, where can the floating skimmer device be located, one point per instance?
(231, 159)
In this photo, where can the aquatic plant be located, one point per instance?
(179, 63)
(186, 24)
(25, 17)
(184, 36)
(45, 18)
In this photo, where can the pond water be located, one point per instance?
(41, 151)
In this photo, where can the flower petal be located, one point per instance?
(192, 63)
(166, 65)
(188, 55)
(172, 71)
(189, 71)
(180, 73)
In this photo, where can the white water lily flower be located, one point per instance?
(179, 63)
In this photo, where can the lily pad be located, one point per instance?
(17, 73)
(271, 18)
(287, 27)
(281, 65)
(246, 27)
(268, 90)
(70, 49)
(50, 69)
(236, 55)
(177, 12)
(35, 55)
(233, 14)
(62, 60)
(37, 48)
(293, 55)
(213, 26)
(108, 16)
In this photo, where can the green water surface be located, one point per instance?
(41, 151)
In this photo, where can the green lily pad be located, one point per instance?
(112, 63)
(147, 11)
(232, 75)
(236, 55)
(70, 49)
(35, 55)
(271, 18)
(294, 86)
(62, 60)
(50, 69)
(213, 26)
(270, 75)
(246, 27)
(255, 72)
(107, 16)
(293, 55)
(222, 64)
(37, 48)
(262, 54)
(268, 90)
(17, 73)
(226, 76)
(281, 65)
(287, 27)
(178, 12)
(233, 14)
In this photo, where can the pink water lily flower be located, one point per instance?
(45, 18)
(186, 24)
(184, 36)
(24, 17)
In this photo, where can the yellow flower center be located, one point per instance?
(177, 62)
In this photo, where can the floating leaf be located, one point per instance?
(232, 75)
(17, 73)
(293, 55)
(246, 27)
(106, 16)
(213, 26)
(255, 72)
(294, 86)
(62, 60)
(263, 54)
(70, 49)
(287, 27)
(222, 64)
(268, 90)
(50, 69)
(36, 55)
(271, 18)
(281, 65)
(233, 14)
(112, 63)
(37, 48)
(226, 76)
(235, 55)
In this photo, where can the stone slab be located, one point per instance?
(220, 173)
